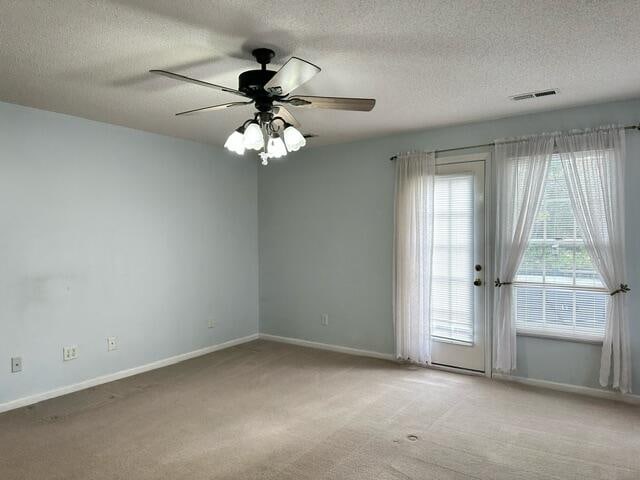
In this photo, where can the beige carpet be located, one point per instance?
(273, 411)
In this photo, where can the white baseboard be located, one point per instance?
(92, 382)
(327, 346)
(461, 371)
(562, 387)
(39, 397)
(568, 388)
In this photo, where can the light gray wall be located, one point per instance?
(108, 231)
(326, 223)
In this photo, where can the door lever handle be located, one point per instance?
(477, 282)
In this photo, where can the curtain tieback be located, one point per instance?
(498, 283)
(624, 288)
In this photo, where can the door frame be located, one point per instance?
(488, 254)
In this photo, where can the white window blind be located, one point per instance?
(557, 289)
(452, 275)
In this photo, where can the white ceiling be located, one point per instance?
(428, 63)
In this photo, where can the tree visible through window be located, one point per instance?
(557, 289)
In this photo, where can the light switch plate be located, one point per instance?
(112, 343)
(16, 364)
(324, 319)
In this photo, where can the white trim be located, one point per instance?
(467, 157)
(358, 352)
(568, 388)
(489, 218)
(559, 335)
(458, 370)
(327, 346)
(562, 387)
(452, 341)
(92, 382)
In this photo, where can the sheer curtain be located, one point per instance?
(521, 167)
(593, 162)
(413, 249)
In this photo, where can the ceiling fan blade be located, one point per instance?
(182, 78)
(214, 108)
(335, 103)
(292, 74)
(286, 115)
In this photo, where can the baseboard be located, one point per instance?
(568, 388)
(561, 387)
(461, 371)
(92, 382)
(327, 346)
(39, 397)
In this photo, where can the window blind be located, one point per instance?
(452, 275)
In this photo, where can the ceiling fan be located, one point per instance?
(269, 91)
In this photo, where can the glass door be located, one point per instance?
(457, 287)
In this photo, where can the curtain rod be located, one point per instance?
(628, 127)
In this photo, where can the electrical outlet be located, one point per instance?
(16, 364)
(212, 323)
(112, 343)
(324, 319)
(70, 353)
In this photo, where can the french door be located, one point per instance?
(457, 286)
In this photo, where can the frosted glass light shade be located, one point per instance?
(276, 148)
(253, 139)
(235, 142)
(293, 139)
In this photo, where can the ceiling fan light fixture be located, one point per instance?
(276, 147)
(271, 131)
(253, 138)
(293, 139)
(235, 142)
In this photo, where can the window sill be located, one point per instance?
(451, 340)
(557, 336)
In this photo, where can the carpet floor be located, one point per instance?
(266, 410)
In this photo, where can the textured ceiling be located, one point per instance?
(428, 63)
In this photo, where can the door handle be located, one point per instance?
(477, 282)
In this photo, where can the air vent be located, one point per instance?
(522, 96)
(545, 93)
(525, 96)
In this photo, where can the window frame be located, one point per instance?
(559, 333)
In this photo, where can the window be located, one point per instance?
(557, 289)
(451, 287)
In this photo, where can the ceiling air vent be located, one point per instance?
(525, 96)
(545, 93)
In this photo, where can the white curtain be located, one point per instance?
(521, 167)
(413, 249)
(593, 163)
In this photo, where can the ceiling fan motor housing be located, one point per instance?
(252, 82)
